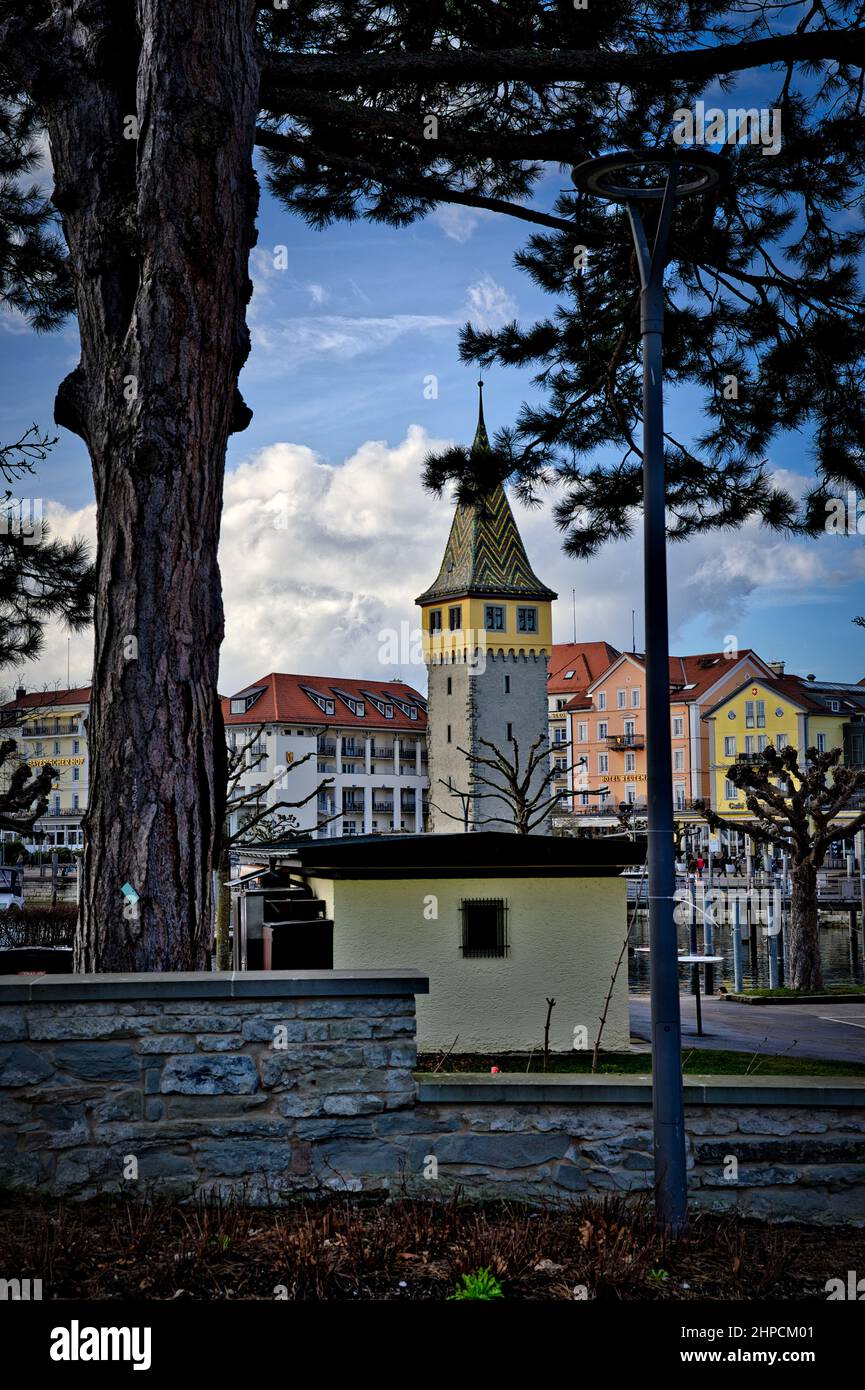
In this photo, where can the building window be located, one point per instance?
(527, 620)
(678, 726)
(602, 729)
(603, 762)
(76, 774)
(730, 792)
(761, 714)
(602, 699)
(510, 733)
(635, 697)
(494, 618)
(679, 760)
(630, 728)
(582, 733)
(484, 927)
(621, 699)
(761, 743)
(455, 619)
(56, 745)
(781, 741)
(821, 743)
(730, 746)
(435, 620)
(75, 805)
(507, 685)
(449, 733)
(630, 762)
(450, 685)
(76, 746)
(630, 793)
(749, 743)
(679, 794)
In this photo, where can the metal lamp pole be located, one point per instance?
(633, 178)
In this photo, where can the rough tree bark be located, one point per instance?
(803, 935)
(160, 218)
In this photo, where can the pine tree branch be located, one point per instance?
(599, 67)
(428, 189)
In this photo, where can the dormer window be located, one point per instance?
(569, 675)
(241, 703)
(324, 702)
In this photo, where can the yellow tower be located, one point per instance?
(487, 633)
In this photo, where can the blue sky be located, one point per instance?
(328, 537)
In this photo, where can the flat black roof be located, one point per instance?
(481, 854)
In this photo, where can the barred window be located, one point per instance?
(484, 926)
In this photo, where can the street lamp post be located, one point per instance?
(633, 179)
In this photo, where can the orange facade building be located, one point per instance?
(607, 720)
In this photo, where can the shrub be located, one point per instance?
(38, 926)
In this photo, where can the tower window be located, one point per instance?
(435, 620)
(484, 927)
(455, 619)
(449, 733)
(527, 619)
(507, 685)
(450, 685)
(494, 618)
(510, 733)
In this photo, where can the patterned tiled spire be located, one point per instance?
(485, 555)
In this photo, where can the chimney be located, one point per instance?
(777, 667)
(20, 692)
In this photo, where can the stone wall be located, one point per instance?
(187, 1082)
(268, 1084)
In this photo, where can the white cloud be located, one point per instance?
(459, 223)
(318, 559)
(279, 341)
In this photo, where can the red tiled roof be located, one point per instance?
(41, 699)
(284, 699)
(691, 676)
(587, 660)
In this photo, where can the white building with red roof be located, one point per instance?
(365, 738)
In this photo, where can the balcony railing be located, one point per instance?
(56, 728)
(326, 750)
(383, 807)
(352, 808)
(63, 811)
(621, 741)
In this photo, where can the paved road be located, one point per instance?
(826, 1030)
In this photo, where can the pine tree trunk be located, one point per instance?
(805, 971)
(159, 218)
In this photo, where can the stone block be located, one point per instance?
(353, 1105)
(218, 1042)
(13, 1025)
(23, 1066)
(94, 1061)
(571, 1177)
(235, 1158)
(265, 1030)
(206, 1074)
(499, 1150)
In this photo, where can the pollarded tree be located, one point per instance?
(369, 110)
(23, 794)
(797, 807)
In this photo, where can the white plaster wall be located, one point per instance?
(565, 936)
